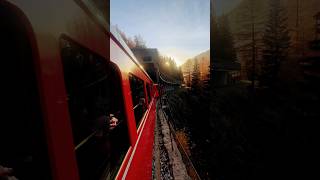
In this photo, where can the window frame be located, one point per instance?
(112, 166)
(136, 105)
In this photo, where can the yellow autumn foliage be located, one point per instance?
(184, 141)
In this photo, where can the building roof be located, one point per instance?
(149, 58)
(118, 37)
(146, 55)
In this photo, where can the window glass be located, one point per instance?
(138, 97)
(96, 109)
(148, 92)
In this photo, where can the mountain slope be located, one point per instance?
(204, 62)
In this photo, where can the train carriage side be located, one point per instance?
(65, 88)
(140, 103)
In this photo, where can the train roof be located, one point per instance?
(119, 39)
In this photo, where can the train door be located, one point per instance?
(23, 148)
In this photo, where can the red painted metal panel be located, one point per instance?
(141, 164)
(124, 164)
(138, 163)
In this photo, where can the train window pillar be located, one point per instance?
(97, 111)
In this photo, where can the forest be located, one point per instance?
(259, 123)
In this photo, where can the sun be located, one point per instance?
(179, 63)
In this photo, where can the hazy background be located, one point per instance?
(179, 29)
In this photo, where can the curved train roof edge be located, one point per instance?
(118, 38)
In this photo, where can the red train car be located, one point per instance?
(77, 104)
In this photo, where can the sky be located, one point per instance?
(178, 28)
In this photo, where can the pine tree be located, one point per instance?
(226, 44)
(180, 75)
(276, 42)
(196, 82)
(249, 37)
(187, 68)
(127, 40)
(139, 42)
(214, 43)
(222, 44)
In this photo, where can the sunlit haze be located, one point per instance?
(178, 28)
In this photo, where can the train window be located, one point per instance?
(96, 109)
(148, 92)
(138, 97)
(23, 147)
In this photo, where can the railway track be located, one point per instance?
(170, 159)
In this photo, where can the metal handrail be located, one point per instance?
(85, 140)
(136, 106)
(163, 79)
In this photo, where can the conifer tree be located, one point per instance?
(249, 37)
(139, 42)
(226, 44)
(214, 43)
(195, 82)
(222, 44)
(276, 42)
